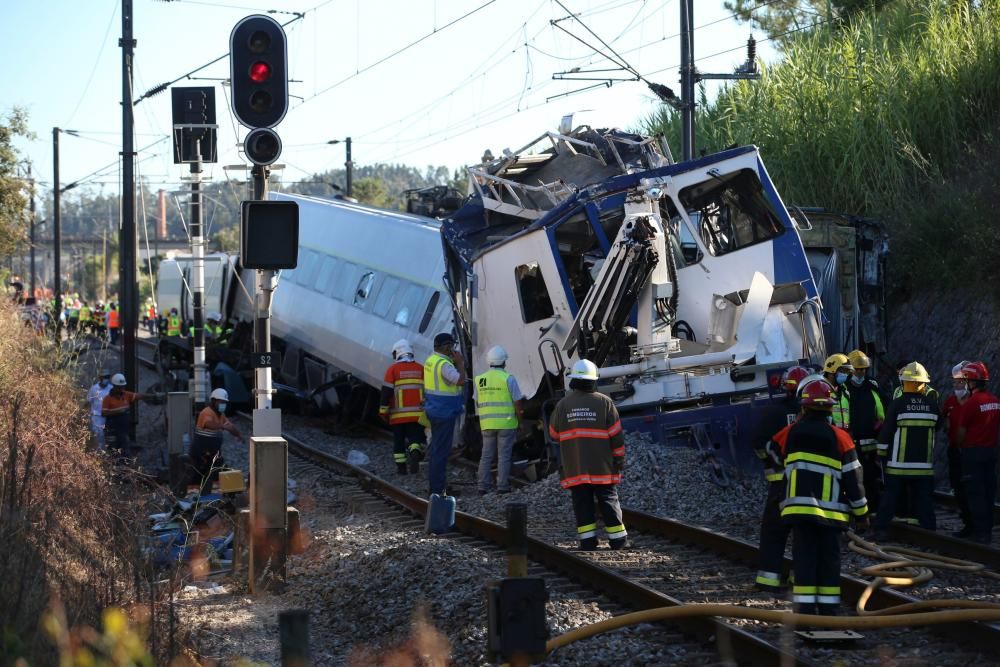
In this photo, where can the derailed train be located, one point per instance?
(687, 283)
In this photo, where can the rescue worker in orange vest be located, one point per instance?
(402, 406)
(585, 423)
(775, 421)
(115, 409)
(866, 417)
(978, 430)
(820, 462)
(114, 322)
(836, 369)
(206, 448)
(906, 444)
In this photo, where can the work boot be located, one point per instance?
(588, 544)
(401, 469)
(413, 461)
(623, 543)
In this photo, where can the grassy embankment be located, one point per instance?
(893, 116)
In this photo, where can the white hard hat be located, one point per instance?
(496, 356)
(583, 370)
(401, 347)
(118, 380)
(956, 370)
(217, 316)
(220, 394)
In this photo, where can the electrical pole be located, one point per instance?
(198, 283)
(56, 236)
(349, 165)
(687, 79)
(128, 303)
(31, 234)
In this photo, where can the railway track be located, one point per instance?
(673, 562)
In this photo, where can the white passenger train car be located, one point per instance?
(366, 277)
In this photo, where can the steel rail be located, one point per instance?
(744, 644)
(946, 544)
(948, 500)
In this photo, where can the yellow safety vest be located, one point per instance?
(173, 326)
(494, 402)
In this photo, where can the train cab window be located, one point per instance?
(535, 302)
(731, 211)
(327, 265)
(364, 288)
(431, 305)
(307, 271)
(385, 294)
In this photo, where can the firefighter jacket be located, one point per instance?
(822, 472)
(776, 417)
(866, 414)
(907, 436)
(403, 392)
(590, 437)
(980, 416)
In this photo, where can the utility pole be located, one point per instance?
(31, 234)
(687, 79)
(349, 165)
(56, 236)
(128, 305)
(198, 283)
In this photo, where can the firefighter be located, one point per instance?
(115, 409)
(402, 406)
(819, 459)
(866, 416)
(444, 402)
(585, 423)
(173, 323)
(206, 448)
(836, 369)
(774, 425)
(978, 428)
(499, 402)
(950, 414)
(906, 445)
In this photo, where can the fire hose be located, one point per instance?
(902, 567)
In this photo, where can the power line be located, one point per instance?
(97, 61)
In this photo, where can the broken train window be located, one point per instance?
(731, 212)
(535, 302)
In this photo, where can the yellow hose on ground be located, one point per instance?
(903, 567)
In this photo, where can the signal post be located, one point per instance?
(268, 242)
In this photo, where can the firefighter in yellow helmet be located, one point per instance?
(866, 416)
(906, 445)
(836, 369)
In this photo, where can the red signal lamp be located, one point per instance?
(260, 72)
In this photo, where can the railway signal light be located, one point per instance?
(262, 146)
(258, 71)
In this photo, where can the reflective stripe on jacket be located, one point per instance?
(589, 432)
(441, 399)
(494, 402)
(842, 409)
(907, 437)
(403, 392)
(820, 460)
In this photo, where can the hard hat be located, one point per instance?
(956, 370)
(791, 378)
(975, 370)
(859, 359)
(401, 347)
(583, 370)
(806, 380)
(217, 316)
(835, 361)
(914, 372)
(816, 394)
(497, 356)
(219, 394)
(443, 339)
(118, 380)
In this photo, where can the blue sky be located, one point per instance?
(483, 82)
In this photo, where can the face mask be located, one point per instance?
(841, 378)
(960, 394)
(829, 419)
(222, 408)
(857, 381)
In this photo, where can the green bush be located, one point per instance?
(880, 117)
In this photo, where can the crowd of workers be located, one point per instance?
(838, 450)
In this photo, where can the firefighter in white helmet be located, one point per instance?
(206, 448)
(402, 406)
(499, 402)
(586, 425)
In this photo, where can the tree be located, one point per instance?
(783, 18)
(371, 191)
(13, 200)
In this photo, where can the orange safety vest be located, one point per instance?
(406, 379)
(113, 319)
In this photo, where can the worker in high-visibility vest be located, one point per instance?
(114, 323)
(402, 405)
(173, 323)
(499, 402)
